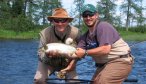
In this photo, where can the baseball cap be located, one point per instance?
(88, 7)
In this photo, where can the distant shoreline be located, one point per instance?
(5, 34)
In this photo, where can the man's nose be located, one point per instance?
(88, 17)
(60, 23)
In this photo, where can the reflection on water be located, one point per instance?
(18, 62)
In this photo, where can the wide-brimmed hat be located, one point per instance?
(59, 13)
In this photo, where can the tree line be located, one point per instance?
(26, 15)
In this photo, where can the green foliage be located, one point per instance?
(133, 10)
(4, 10)
(84, 28)
(141, 29)
(133, 36)
(17, 8)
(19, 24)
(106, 9)
(23, 18)
(9, 34)
(137, 29)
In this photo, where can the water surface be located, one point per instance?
(18, 62)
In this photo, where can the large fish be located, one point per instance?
(63, 50)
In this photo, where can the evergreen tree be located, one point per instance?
(79, 4)
(133, 11)
(106, 9)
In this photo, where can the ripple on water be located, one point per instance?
(18, 62)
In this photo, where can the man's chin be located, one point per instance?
(90, 25)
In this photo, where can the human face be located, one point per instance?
(89, 18)
(60, 23)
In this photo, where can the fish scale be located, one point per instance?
(63, 49)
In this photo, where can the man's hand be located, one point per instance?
(70, 67)
(80, 52)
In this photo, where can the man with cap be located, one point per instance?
(109, 51)
(59, 32)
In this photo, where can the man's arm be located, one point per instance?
(71, 66)
(99, 51)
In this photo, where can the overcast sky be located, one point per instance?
(68, 4)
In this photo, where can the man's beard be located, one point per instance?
(91, 25)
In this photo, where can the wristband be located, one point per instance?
(86, 53)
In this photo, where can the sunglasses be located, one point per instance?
(60, 20)
(86, 14)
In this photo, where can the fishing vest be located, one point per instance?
(120, 47)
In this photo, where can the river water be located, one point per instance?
(18, 62)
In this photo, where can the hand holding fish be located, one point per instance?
(70, 67)
(80, 52)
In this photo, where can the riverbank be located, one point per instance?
(133, 36)
(7, 34)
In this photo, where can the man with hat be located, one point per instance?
(59, 32)
(109, 51)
